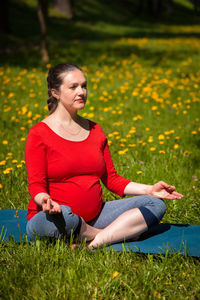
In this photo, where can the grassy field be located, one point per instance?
(143, 82)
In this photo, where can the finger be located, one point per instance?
(178, 195)
(164, 184)
(48, 204)
(171, 188)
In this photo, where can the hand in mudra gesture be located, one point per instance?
(50, 207)
(163, 190)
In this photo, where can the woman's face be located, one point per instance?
(73, 91)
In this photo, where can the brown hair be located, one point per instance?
(55, 80)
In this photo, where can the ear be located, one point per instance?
(55, 94)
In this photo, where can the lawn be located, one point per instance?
(143, 89)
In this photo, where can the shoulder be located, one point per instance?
(96, 127)
(38, 130)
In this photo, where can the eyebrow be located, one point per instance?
(75, 82)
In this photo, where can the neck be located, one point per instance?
(64, 116)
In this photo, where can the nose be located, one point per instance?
(80, 91)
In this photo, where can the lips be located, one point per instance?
(80, 100)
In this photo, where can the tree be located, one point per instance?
(42, 10)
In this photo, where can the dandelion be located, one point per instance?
(90, 115)
(2, 163)
(162, 151)
(139, 172)
(194, 132)
(14, 161)
(150, 139)
(22, 139)
(161, 137)
(48, 66)
(176, 146)
(19, 166)
(152, 149)
(7, 171)
(115, 274)
(122, 152)
(154, 107)
(5, 142)
(1, 186)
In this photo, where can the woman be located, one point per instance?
(66, 157)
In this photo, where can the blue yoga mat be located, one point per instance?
(162, 238)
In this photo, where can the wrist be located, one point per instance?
(39, 198)
(148, 190)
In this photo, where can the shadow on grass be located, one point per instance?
(94, 22)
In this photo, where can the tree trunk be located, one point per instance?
(4, 16)
(41, 11)
(65, 7)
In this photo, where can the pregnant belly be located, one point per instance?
(85, 200)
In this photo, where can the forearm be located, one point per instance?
(134, 188)
(39, 198)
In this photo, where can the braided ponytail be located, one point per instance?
(52, 102)
(55, 79)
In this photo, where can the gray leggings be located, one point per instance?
(60, 225)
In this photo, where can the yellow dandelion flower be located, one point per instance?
(14, 161)
(147, 129)
(150, 139)
(132, 145)
(90, 115)
(194, 132)
(161, 137)
(154, 107)
(48, 66)
(152, 149)
(23, 161)
(10, 95)
(2, 163)
(1, 186)
(19, 166)
(115, 274)
(32, 95)
(161, 142)
(139, 172)
(5, 142)
(162, 151)
(22, 139)
(176, 146)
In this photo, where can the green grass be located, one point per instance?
(143, 77)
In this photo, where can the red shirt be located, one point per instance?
(70, 171)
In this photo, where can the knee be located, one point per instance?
(72, 221)
(159, 208)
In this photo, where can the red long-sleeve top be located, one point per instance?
(70, 171)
